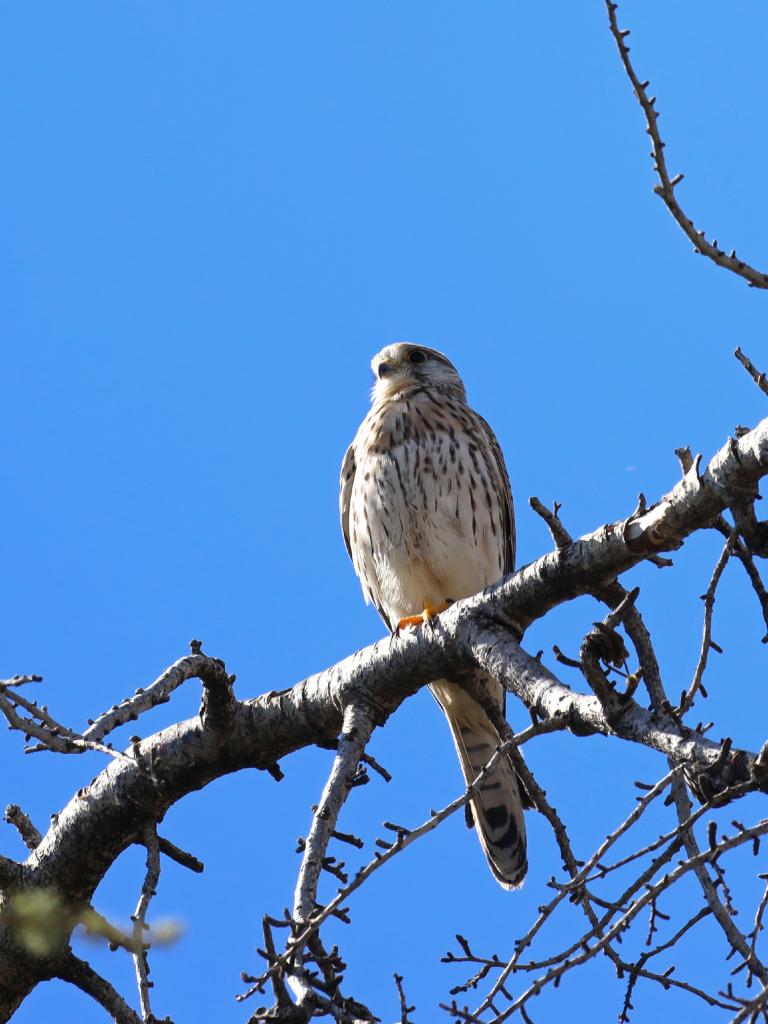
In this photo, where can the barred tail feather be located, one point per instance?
(497, 808)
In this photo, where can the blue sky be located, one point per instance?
(212, 215)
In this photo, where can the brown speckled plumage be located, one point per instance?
(427, 516)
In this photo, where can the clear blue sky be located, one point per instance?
(212, 215)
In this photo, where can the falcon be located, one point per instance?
(427, 517)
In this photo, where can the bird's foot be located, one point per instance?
(425, 619)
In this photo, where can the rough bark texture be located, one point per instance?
(135, 790)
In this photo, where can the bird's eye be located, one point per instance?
(383, 369)
(417, 357)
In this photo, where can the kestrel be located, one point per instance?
(427, 516)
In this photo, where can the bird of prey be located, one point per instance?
(427, 516)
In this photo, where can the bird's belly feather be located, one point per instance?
(430, 535)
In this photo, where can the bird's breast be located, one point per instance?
(422, 505)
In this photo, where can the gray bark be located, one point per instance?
(136, 790)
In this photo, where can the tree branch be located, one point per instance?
(10, 872)
(736, 939)
(109, 814)
(404, 838)
(139, 918)
(80, 973)
(23, 824)
(193, 666)
(666, 187)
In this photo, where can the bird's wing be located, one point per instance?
(500, 479)
(346, 481)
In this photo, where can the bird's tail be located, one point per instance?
(497, 806)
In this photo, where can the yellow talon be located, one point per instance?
(429, 613)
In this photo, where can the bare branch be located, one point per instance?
(541, 691)
(356, 731)
(759, 914)
(560, 535)
(379, 769)
(80, 973)
(41, 724)
(706, 641)
(18, 681)
(175, 853)
(139, 918)
(736, 939)
(576, 882)
(752, 1009)
(732, 475)
(194, 666)
(745, 557)
(29, 834)
(636, 971)
(405, 1009)
(404, 838)
(603, 643)
(620, 924)
(667, 185)
(758, 377)
(105, 816)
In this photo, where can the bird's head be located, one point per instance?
(401, 367)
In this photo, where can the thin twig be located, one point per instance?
(405, 838)
(759, 913)
(733, 793)
(560, 535)
(615, 930)
(193, 666)
(636, 971)
(378, 768)
(175, 853)
(666, 187)
(686, 702)
(736, 939)
(44, 727)
(741, 552)
(758, 377)
(405, 1009)
(576, 883)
